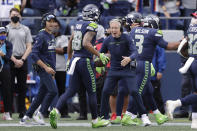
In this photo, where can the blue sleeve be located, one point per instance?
(133, 49)
(161, 60)
(36, 48)
(158, 38)
(8, 51)
(104, 48)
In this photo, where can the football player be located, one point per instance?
(81, 64)
(146, 38)
(192, 98)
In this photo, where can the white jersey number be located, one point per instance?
(192, 47)
(76, 42)
(139, 43)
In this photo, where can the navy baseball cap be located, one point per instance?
(3, 29)
(50, 16)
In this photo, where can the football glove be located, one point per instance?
(67, 65)
(104, 59)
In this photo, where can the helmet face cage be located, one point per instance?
(91, 13)
(151, 21)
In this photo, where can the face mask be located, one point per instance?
(3, 37)
(15, 19)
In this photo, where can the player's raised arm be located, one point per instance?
(172, 45)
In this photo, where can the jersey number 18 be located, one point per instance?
(76, 42)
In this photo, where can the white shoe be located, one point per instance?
(6, 116)
(194, 120)
(194, 124)
(171, 106)
(38, 117)
(145, 121)
(26, 120)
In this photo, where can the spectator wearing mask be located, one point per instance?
(20, 37)
(5, 77)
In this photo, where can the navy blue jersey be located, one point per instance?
(118, 47)
(192, 40)
(146, 40)
(44, 49)
(80, 30)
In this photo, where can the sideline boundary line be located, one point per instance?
(81, 124)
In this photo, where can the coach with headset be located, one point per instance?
(44, 57)
(123, 54)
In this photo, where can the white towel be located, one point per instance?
(181, 45)
(187, 65)
(73, 64)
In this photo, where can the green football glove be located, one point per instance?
(152, 70)
(104, 59)
(100, 70)
(67, 65)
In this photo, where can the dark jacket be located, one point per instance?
(8, 55)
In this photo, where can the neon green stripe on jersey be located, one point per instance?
(94, 25)
(160, 32)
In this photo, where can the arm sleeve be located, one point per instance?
(9, 51)
(104, 48)
(158, 38)
(36, 48)
(161, 60)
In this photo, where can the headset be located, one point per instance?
(47, 17)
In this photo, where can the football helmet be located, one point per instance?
(90, 12)
(194, 18)
(151, 21)
(133, 17)
(194, 14)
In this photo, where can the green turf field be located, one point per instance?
(73, 125)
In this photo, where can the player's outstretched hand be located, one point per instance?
(125, 61)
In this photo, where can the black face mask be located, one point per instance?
(15, 19)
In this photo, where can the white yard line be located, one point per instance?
(84, 124)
